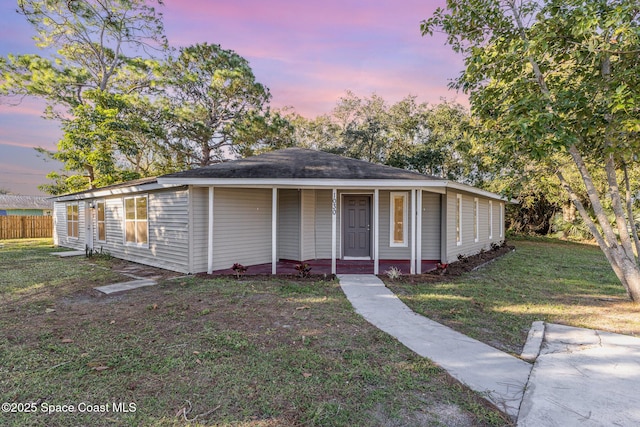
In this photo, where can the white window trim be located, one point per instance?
(476, 214)
(124, 222)
(490, 219)
(459, 219)
(77, 221)
(501, 219)
(104, 202)
(405, 219)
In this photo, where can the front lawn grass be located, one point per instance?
(217, 351)
(31, 275)
(544, 279)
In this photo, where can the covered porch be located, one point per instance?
(345, 229)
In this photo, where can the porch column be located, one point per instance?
(412, 264)
(210, 234)
(376, 231)
(334, 226)
(419, 232)
(274, 229)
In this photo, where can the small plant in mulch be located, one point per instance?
(463, 258)
(393, 273)
(304, 270)
(495, 246)
(239, 269)
(441, 268)
(95, 253)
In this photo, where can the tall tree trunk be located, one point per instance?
(631, 272)
(617, 252)
(626, 269)
(630, 216)
(91, 176)
(621, 220)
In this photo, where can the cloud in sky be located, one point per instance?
(307, 53)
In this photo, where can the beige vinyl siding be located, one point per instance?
(430, 226)
(168, 241)
(81, 226)
(308, 225)
(199, 228)
(289, 224)
(498, 217)
(497, 238)
(60, 225)
(323, 224)
(385, 250)
(241, 227)
(452, 248)
(469, 246)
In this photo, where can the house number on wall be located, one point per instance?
(334, 205)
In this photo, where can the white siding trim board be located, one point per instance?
(376, 231)
(334, 209)
(210, 225)
(418, 234)
(274, 230)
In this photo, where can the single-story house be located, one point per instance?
(291, 204)
(13, 204)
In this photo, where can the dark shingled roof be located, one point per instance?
(299, 163)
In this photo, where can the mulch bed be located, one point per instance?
(455, 269)
(257, 277)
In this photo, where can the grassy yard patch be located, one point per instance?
(247, 352)
(544, 279)
(31, 275)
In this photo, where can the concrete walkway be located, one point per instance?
(501, 378)
(581, 377)
(125, 286)
(66, 254)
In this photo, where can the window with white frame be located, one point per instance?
(490, 219)
(72, 220)
(459, 219)
(398, 219)
(136, 224)
(476, 225)
(100, 220)
(501, 219)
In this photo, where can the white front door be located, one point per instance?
(88, 225)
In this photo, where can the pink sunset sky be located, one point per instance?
(308, 53)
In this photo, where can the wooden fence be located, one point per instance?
(25, 227)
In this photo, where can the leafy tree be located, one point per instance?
(262, 131)
(439, 143)
(319, 133)
(210, 93)
(435, 140)
(557, 82)
(87, 79)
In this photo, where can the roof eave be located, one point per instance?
(97, 193)
(468, 188)
(434, 185)
(304, 182)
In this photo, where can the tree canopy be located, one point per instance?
(208, 93)
(89, 80)
(557, 83)
(128, 105)
(431, 139)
